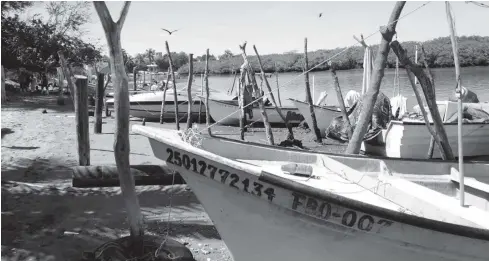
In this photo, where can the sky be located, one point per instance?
(276, 26)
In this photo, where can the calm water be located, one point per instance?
(292, 84)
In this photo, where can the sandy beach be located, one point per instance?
(44, 218)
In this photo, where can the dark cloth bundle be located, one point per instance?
(381, 117)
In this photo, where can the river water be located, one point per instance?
(292, 85)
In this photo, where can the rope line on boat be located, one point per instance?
(314, 67)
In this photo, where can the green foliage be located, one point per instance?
(473, 51)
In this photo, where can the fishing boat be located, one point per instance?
(148, 104)
(227, 112)
(324, 114)
(270, 203)
(409, 138)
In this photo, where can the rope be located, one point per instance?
(477, 3)
(319, 64)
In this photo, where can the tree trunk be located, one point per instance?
(81, 117)
(430, 77)
(121, 108)
(189, 89)
(309, 97)
(206, 79)
(4, 93)
(339, 96)
(376, 79)
(67, 74)
(162, 112)
(251, 74)
(241, 102)
(174, 85)
(99, 103)
(445, 149)
(290, 136)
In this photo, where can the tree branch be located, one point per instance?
(104, 15)
(123, 15)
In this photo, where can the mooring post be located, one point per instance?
(99, 103)
(309, 97)
(189, 89)
(81, 117)
(206, 79)
(341, 102)
(162, 111)
(134, 74)
(174, 84)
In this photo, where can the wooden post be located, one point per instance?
(4, 93)
(81, 117)
(430, 77)
(241, 101)
(162, 112)
(339, 96)
(371, 96)
(174, 85)
(189, 89)
(99, 103)
(206, 79)
(201, 94)
(121, 96)
(134, 74)
(290, 136)
(416, 61)
(313, 90)
(278, 87)
(259, 93)
(309, 97)
(445, 149)
(453, 39)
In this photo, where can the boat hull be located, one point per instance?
(412, 139)
(324, 115)
(227, 113)
(269, 221)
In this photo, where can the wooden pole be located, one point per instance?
(313, 90)
(189, 89)
(174, 85)
(121, 96)
(453, 39)
(309, 97)
(430, 77)
(162, 111)
(416, 61)
(206, 79)
(201, 95)
(251, 74)
(339, 96)
(445, 149)
(290, 136)
(81, 117)
(99, 103)
(241, 101)
(278, 87)
(134, 74)
(378, 73)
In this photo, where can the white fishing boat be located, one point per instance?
(228, 113)
(324, 114)
(148, 104)
(270, 203)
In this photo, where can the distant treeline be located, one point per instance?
(473, 51)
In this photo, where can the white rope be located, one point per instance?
(321, 63)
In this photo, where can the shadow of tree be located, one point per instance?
(33, 101)
(21, 147)
(58, 222)
(38, 169)
(6, 131)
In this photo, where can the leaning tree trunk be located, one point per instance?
(121, 101)
(376, 79)
(290, 136)
(441, 137)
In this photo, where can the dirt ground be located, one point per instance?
(44, 218)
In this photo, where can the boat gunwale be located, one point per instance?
(394, 122)
(403, 218)
(269, 107)
(328, 108)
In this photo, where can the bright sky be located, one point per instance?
(277, 27)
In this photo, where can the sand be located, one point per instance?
(44, 218)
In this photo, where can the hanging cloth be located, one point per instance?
(398, 102)
(367, 69)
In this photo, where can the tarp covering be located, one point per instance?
(467, 96)
(381, 116)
